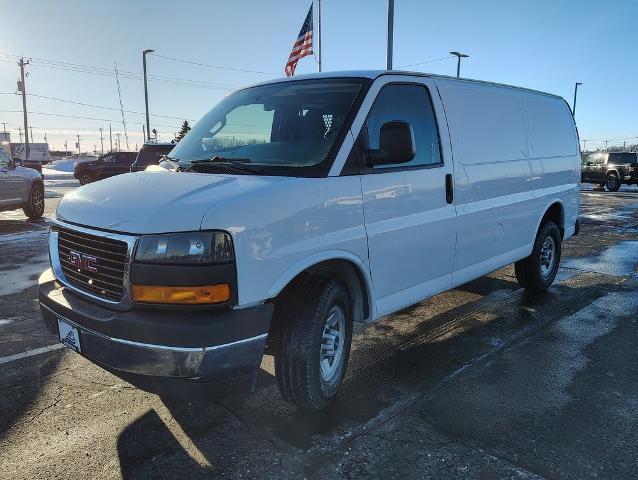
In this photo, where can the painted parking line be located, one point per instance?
(30, 353)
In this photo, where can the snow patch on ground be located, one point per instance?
(15, 279)
(52, 172)
(66, 165)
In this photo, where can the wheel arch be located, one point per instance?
(348, 267)
(554, 211)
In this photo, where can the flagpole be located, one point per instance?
(319, 32)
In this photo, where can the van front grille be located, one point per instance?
(93, 264)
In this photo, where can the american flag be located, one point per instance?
(302, 46)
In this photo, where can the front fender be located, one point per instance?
(299, 267)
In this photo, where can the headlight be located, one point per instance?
(201, 248)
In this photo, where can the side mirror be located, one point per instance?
(17, 162)
(396, 145)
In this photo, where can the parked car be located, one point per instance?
(107, 165)
(20, 187)
(151, 153)
(309, 204)
(611, 169)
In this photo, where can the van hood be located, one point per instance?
(155, 202)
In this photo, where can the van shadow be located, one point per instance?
(18, 395)
(383, 378)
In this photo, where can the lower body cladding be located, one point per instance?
(190, 354)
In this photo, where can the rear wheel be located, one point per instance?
(612, 182)
(86, 178)
(313, 344)
(538, 271)
(34, 208)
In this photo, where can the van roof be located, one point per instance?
(373, 74)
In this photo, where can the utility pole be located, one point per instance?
(144, 132)
(31, 130)
(390, 34)
(79, 150)
(110, 138)
(20, 132)
(458, 56)
(118, 141)
(575, 94)
(606, 142)
(4, 127)
(624, 144)
(66, 147)
(22, 88)
(101, 141)
(148, 50)
(585, 140)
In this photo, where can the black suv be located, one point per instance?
(151, 154)
(610, 169)
(106, 166)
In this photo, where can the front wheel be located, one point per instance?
(538, 271)
(86, 178)
(34, 208)
(612, 182)
(314, 343)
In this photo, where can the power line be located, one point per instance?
(424, 62)
(96, 106)
(101, 71)
(190, 62)
(76, 117)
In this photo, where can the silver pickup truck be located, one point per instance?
(20, 187)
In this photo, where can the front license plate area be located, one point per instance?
(69, 335)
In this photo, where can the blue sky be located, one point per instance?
(541, 44)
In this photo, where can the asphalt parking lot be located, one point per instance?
(484, 381)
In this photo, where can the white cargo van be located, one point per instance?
(302, 206)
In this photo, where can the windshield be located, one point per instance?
(282, 128)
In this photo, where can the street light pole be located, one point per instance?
(148, 50)
(390, 34)
(459, 56)
(575, 94)
(101, 141)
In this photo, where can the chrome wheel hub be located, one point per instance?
(38, 200)
(332, 344)
(548, 256)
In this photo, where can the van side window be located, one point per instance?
(411, 104)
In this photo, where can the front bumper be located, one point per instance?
(187, 354)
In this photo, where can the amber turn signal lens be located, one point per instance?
(205, 294)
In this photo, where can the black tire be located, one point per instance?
(34, 208)
(86, 178)
(302, 317)
(612, 182)
(533, 273)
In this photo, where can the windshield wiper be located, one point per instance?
(238, 164)
(218, 159)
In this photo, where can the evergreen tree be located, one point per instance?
(183, 131)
